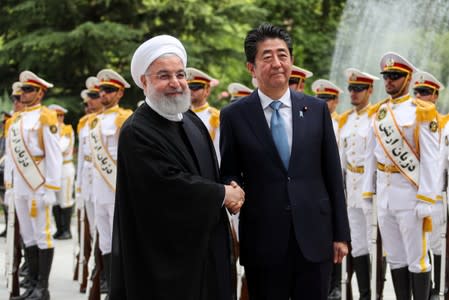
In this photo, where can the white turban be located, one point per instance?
(153, 49)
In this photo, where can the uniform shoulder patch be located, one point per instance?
(53, 129)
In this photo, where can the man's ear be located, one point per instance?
(250, 67)
(143, 80)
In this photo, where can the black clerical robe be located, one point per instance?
(171, 234)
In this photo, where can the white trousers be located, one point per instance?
(436, 242)
(34, 230)
(404, 240)
(64, 197)
(104, 215)
(359, 224)
(90, 213)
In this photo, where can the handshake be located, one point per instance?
(234, 197)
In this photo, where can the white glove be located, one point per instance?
(79, 201)
(9, 196)
(438, 213)
(367, 206)
(49, 197)
(423, 209)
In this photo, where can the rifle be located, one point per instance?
(13, 252)
(85, 250)
(374, 246)
(444, 241)
(95, 267)
(76, 248)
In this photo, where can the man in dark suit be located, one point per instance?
(171, 236)
(279, 145)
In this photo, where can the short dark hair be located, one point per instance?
(260, 34)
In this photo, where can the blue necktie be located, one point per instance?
(279, 133)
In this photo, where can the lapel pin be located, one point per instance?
(301, 114)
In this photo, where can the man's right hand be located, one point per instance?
(234, 197)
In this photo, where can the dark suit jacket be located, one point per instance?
(171, 234)
(307, 198)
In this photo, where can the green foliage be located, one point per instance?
(65, 41)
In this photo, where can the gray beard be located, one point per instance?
(170, 105)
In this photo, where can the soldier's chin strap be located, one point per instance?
(404, 84)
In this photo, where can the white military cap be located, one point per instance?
(16, 88)
(425, 79)
(198, 76)
(84, 95)
(393, 62)
(29, 78)
(93, 84)
(151, 50)
(301, 73)
(57, 108)
(325, 87)
(110, 77)
(239, 90)
(355, 76)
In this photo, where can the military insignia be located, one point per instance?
(381, 114)
(446, 140)
(94, 123)
(321, 88)
(433, 126)
(53, 129)
(353, 77)
(390, 62)
(421, 79)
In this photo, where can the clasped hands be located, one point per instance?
(234, 197)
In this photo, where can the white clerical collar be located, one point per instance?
(174, 118)
(265, 100)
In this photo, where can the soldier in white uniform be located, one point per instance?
(353, 127)
(84, 173)
(17, 106)
(298, 78)
(62, 210)
(33, 146)
(103, 140)
(400, 164)
(329, 92)
(200, 85)
(238, 90)
(427, 88)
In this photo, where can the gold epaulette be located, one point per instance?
(375, 107)
(122, 115)
(344, 118)
(442, 120)
(10, 121)
(214, 119)
(48, 116)
(425, 111)
(66, 130)
(82, 122)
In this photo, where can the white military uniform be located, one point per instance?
(38, 129)
(327, 88)
(211, 119)
(67, 139)
(424, 79)
(403, 234)
(107, 124)
(84, 178)
(352, 145)
(209, 115)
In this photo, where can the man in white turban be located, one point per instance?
(171, 235)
